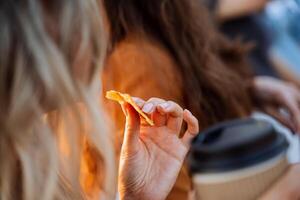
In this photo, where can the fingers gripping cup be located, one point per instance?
(237, 160)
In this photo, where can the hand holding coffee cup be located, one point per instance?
(240, 159)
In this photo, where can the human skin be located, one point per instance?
(287, 187)
(280, 94)
(229, 9)
(152, 156)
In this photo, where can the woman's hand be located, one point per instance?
(152, 156)
(274, 93)
(287, 188)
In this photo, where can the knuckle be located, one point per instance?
(175, 105)
(171, 102)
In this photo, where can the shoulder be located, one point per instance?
(141, 54)
(137, 65)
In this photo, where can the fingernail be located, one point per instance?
(148, 107)
(137, 101)
(189, 112)
(164, 105)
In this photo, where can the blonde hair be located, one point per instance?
(51, 147)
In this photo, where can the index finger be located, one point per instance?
(140, 102)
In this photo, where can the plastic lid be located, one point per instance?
(235, 145)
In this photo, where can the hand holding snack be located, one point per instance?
(151, 156)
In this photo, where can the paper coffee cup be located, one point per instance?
(237, 160)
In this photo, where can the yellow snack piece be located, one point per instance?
(120, 97)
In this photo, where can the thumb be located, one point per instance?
(132, 127)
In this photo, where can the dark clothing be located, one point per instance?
(250, 30)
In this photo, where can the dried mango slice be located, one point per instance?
(120, 97)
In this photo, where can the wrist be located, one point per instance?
(126, 193)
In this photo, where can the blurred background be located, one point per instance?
(272, 29)
(272, 26)
(281, 21)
